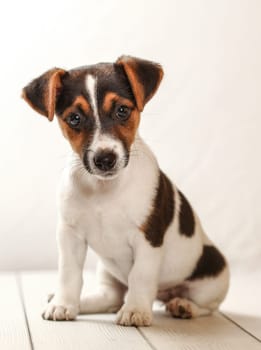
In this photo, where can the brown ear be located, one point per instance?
(144, 77)
(41, 94)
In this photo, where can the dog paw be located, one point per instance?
(180, 308)
(134, 317)
(60, 312)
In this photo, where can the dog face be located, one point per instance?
(98, 108)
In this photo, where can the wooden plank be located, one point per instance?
(243, 302)
(91, 332)
(205, 333)
(13, 329)
(100, 332)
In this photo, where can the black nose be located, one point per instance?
(105, 160)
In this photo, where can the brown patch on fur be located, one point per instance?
(80, 102)
(136, 86)
(144, 77)
(210, 264)
(111, 97)
(51, 92)
(127, 131)
(162, 213)
(186, 217)
(42, 92)
(124, 131)
(76, 139)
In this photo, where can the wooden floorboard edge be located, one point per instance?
(146, 339)
(21, 294)
(239, 326)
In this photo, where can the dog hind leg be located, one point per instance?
(184, 308)
(198, 297)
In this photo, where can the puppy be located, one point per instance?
(114, 198)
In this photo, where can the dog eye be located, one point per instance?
(74, 120)
(123, 112)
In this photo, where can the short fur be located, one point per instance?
(162, 213)
(114, 198)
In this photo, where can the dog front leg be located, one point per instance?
(142, 285)
(72, 251)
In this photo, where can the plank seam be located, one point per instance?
(239, 326)
(146, 339)
(19, 285)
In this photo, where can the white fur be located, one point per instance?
(107, 215)
(91, 88)
(101, 141)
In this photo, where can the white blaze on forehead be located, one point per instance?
(100, 141)
(91, 87)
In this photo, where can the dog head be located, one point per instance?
(98, 108)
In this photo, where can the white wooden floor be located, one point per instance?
(22, 297)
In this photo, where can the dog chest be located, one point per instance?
(107, 232)
(106, 222)
(108, 214)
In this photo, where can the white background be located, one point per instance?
(204, 124)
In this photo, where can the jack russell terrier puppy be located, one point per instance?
(114, 198)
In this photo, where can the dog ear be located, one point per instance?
(41, 94)
(144, 77)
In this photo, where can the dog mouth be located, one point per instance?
(104, 166)
(106, 176)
